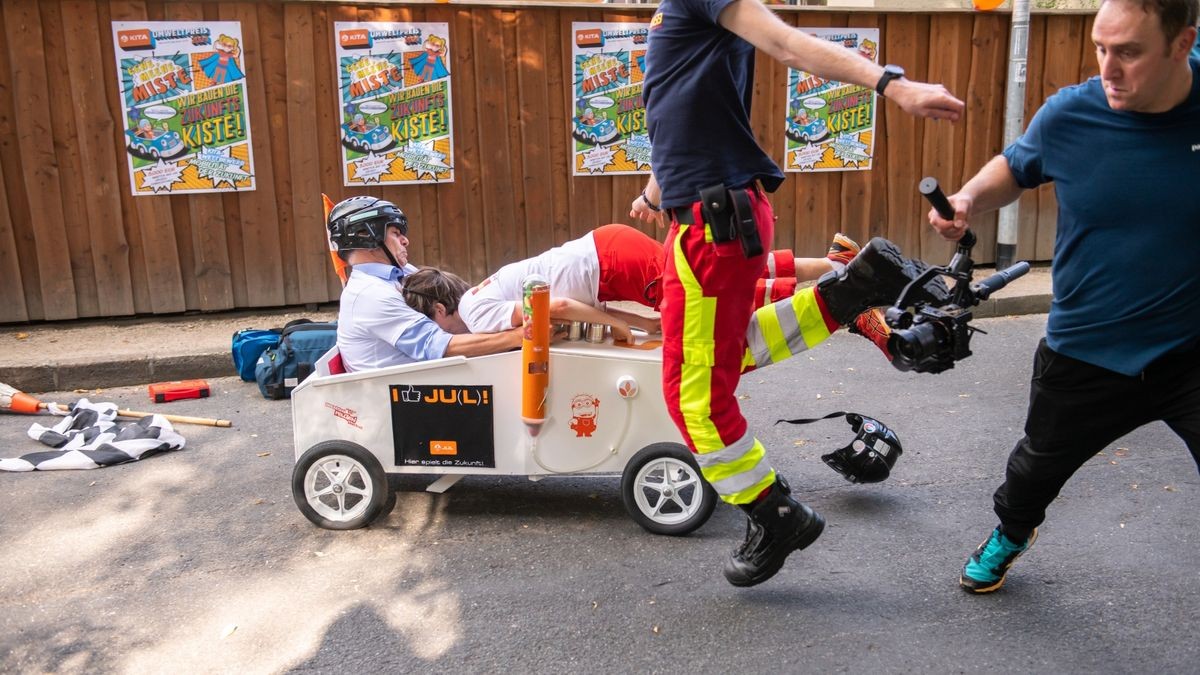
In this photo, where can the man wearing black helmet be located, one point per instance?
(376, 328)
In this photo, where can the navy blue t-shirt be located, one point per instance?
(1126, 265)
(698, 84)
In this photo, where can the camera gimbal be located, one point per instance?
(930, 339)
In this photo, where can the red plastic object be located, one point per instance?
(161, 392)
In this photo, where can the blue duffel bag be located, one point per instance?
(301, 344)
(248, 345)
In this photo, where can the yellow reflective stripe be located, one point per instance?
(695, 379)
(773, 333)
(740, 479)
(808, 315)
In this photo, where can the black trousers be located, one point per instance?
(1077, 409)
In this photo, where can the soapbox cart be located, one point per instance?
(455, 417)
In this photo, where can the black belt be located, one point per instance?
(683, 215)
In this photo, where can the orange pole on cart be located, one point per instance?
(339, 265)
(535, 352)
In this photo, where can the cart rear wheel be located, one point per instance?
(664, 492)
(341, 486)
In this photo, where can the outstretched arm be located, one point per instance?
(566, 309)
(759, 26)
(650, 324)
(482, 344)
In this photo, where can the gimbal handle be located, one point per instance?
(933, 192)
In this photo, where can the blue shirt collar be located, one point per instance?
(381, 270)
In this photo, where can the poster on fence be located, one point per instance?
(608, 123)
(394, 82)
(831, 125)
(183, 91)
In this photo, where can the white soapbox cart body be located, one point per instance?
(455, 417)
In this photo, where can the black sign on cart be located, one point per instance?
(443, 425)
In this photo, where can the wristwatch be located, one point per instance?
(890, 72)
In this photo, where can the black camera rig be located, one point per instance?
(928, 338)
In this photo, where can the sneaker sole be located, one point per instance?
(891, 252)
(971, 586)
(810, 535)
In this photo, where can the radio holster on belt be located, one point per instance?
(730, 216)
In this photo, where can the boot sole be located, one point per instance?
(892, 254)
(810, 534)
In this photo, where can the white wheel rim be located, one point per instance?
(338, 488)
(668, 491)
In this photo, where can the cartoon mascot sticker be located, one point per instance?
(585, 409)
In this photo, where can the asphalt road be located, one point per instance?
(198, 561)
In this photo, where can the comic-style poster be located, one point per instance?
(608, 124)
(831, 125)
(183, 89)
(394, 80)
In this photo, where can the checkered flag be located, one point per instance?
(89, 437)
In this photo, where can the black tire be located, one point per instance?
(340, 508)
(664, 492)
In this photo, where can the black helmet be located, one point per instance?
(362, 222)
(870, 456)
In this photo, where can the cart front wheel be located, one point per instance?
(664, 492)
(341, 486)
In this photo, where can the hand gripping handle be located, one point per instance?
(929, 187)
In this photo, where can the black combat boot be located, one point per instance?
(874, 278)
(777, 525)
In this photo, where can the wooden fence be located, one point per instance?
(74, 242)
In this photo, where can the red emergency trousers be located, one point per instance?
(708, 298)
(630, 264)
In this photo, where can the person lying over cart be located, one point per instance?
(612, 263)
(375, 327)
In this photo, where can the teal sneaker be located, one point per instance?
(986, 568)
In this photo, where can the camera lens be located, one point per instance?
(911, 346)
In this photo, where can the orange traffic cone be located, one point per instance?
(17, 401)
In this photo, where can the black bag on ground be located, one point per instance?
(301, 344)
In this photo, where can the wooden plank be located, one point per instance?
(32, 117)
(560, 107)
(128, 216)
(256, 262)
(905, 37)
(274, 77)
(770, 97)
(210, 278)
(864, 200)
(160, 251)
(102, 202)
(1028, 204)
(942, 156)
(536, 159)
(423, 220)
(74, 180)
(12, 296)
(458, 201)
(312, 252)
(1063, 36)
(1089, 65)
(584, 190)
(984, 120)
(328, 113)
(491, 84)
(19, 292)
